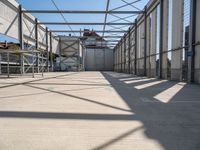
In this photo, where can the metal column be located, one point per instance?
(161, 40)
(36, 45)
(191, 51)
(124, 53)
(60, 47)
(8, 64)
(51, 54)
(129, 51)
(121, 54)
(47, 49)
(145, 42)
(135, 62)
(0, 64)
(21, 38)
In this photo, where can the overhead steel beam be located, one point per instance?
(125, 5)
(83, 23)
(81, 31)
(88, 36)
(106, 15)
(81, 12)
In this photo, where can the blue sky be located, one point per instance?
(77, 5)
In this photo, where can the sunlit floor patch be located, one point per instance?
(135, 81)
(149, 84)
(133, 78)
(169, 93)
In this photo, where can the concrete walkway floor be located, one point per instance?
(98, 110)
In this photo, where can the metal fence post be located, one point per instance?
(47, 49)
(135, 62)
(33, 62)
(8, 64)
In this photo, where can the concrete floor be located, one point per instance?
(94, 111)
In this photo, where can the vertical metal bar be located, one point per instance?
(21, 39)
(36, 33)
(124, 53)
(8, 64)
(114, 58)
(79, 60)
(42, 66)
(33, 62)
(192, 39)
(135, 62)
(36, 45)
(145, 41)
(129, 51)
(51, 54)
(161, 40)
(121, 54)
(47, 49)
(60, 59)
(0, 64)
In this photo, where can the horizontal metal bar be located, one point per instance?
(18, 51)
(81, 12)
(82, 31)
(114, 36)
(83, 23)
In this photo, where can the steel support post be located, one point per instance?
(135, 62)
(21, 39)
(121, 54)
(129, 51)
(47, 49)
(0, 64)
(79, 60)
(42, 66)
(161, 40)
(8, 64)
(114, 59)
(145, 41)
(60, 59)
(36, 46)
(51, 54)
(192, 39)
(33, 63)
(125, 54)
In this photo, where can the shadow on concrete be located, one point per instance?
(117, 139)
(41, 93)
(176, 126)
(72, 116)
(21, 83)
(79, 98)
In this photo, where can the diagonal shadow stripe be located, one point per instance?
(111, 142)
(35, 80)
(73, 116)
(80, 98)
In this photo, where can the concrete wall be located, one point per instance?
(177, 39)
(99, 60)
(197, 47)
